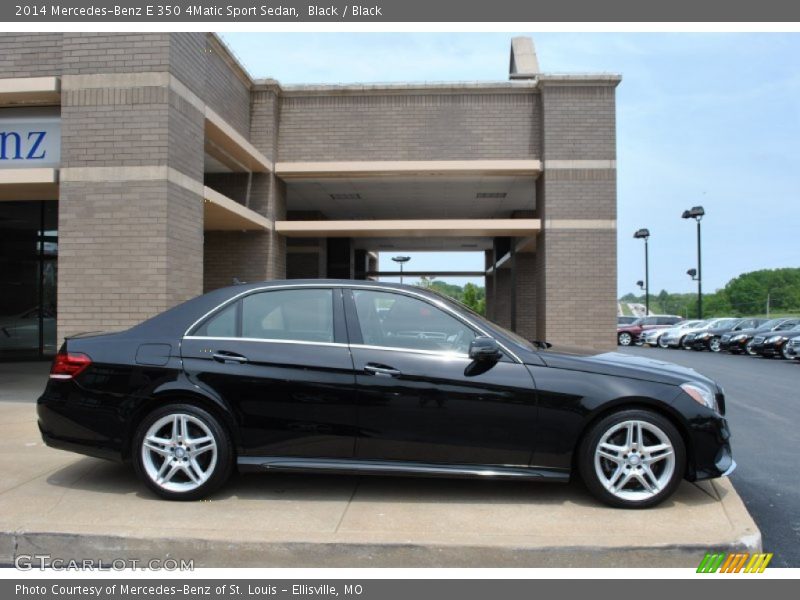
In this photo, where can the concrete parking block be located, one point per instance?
(69, 506)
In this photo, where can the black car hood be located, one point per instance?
(621, 365)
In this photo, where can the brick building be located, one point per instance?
(140, 169)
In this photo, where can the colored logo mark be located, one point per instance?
(734, 563)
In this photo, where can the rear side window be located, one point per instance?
(294, 315)
(299, 315)
(223, 324)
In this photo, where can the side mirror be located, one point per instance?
(484, 348)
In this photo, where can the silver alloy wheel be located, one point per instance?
(662, 342)
(625, 339)
(179, 452)
(713, 345)
(634, 460)
(749, 349)
(785, 350)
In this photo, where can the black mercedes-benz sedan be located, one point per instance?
(366, 377)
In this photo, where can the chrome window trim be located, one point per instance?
(440, 354)
(267, 288)
(263, 340)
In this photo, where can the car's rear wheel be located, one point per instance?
(662, 342)
(632, 459)
(714, 345)
(625, 339)
(181, 452)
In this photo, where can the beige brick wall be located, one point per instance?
(30, 54)
(455, 126)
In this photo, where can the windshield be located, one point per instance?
(720, 323)
(770, 325)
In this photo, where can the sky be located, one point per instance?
(709, 119)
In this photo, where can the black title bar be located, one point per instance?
(463, 11)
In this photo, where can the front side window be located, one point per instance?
(294, 315)
(399, 321)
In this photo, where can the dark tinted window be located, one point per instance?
(223, 324)
(400, 321)
(299, 315)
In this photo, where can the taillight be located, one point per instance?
(69, 364)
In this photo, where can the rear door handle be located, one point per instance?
(381, 371)
(229, 357)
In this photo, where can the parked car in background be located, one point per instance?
(305, 376)
(625, 320)
(713, 341)
(775, 343)
(738, 342)
(701, 339)
(794, 348)
(630, 334)
(674, 338)
(21, 331)
(654, 337)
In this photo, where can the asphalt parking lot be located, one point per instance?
(763, 408)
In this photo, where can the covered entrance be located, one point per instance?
(342, 216)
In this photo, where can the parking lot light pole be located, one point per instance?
(401, 260)
(697, 213)
(644, 234)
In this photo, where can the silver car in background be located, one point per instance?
(661, 337)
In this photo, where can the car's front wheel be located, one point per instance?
(181, 452)
(624, 339)
(786, 352)
(714, 344)
(632, 459)
(662, 342)
(750, 349)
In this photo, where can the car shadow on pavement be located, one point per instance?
(97, 476)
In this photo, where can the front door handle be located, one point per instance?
(381, 370)
(229, 357)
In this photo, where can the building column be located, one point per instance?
(576, 257)
(131, 204)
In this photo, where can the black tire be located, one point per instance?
(588, 446)
(662, 344)
(714, 345)
(785, 351)
(624, 339)
(224, 460)
(749, 349)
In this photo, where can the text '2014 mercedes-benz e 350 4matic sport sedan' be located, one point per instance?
(366, 377)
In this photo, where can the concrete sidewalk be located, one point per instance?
(67, 506)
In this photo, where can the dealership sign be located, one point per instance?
(29, 137)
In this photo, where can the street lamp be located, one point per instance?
(644, 234)
(401, 260)
(697, 213)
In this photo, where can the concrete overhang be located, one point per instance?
(223, 214)
(411, 228)
(229, 147)
(411, 168)
(28, 184)
(22, 91)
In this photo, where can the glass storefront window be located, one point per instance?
(28, 275)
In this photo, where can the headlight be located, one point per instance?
(738, 338)
(775, 338)
(701, 394)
